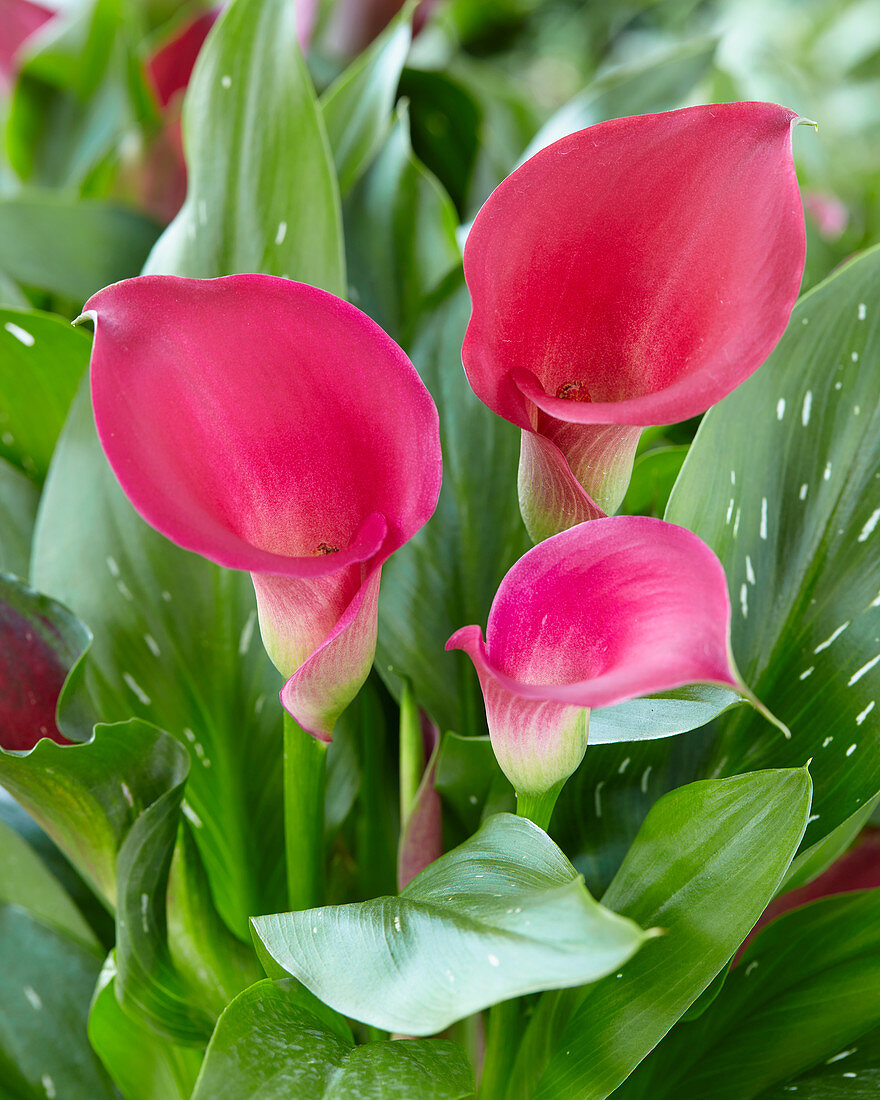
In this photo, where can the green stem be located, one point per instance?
(501, 1043)
(305, 776)
(538, 807)
(412, 752)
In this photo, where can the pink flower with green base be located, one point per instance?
(630, 274)
(271, 427)
(604, 612)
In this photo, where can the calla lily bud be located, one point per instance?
(630, 274)
(604, 612)
(271, 427)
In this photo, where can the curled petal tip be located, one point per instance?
(467, 638)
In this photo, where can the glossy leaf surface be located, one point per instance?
(502, 915)
(704, 865)
(807, 988)
(269, 1042)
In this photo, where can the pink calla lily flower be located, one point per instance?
(271, 427)
(19, 20)
(630, 274)
(604, 612)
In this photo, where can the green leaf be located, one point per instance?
(143, 1066)
(502, 915)
(849, 1074)
(781, 481)
(657, 84)
(399, 235)
(653, 477)
(25, 881)
(704, 865)
(44, 998)
(19, 498)
(176, 644)
(446, 576)
(806, 987)
(149, 986)
(71, 247)
(358, 105)
(202, 949)
(270, 1043)
(660, 715)
(42, 359)
(262, 192)
(812, 861)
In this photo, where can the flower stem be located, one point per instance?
(305, 774)
(538, 807)
(412, 752)
(501, 1048)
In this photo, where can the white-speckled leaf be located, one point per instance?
(783, 482)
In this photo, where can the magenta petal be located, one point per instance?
(170, 67)
(649, 262)
(272, 427)
(19, 19)
(631, 274)
(604, 612)
(324, 684)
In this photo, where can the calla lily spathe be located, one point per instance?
(271, 427)
(630, 274)
(606, 611)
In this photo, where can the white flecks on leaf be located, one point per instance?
(152, 645)
(831, 637)
(807, 408)
(851, 749)
(20, 334)
(856, 676)
(807, 672)
(750, 572)
(282, 233)
(870, 524)
(136, 688)
(744, 600)
(780, 408)
(861, 717)
(33, 997)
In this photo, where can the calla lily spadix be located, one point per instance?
(274, 428)
(606, 611)
(630, 274)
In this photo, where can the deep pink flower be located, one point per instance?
(170, 66)
(34, 662)
(601, 613)
(19, 19)
(630, 274)
(271, 427)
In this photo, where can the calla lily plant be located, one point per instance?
(382, 766)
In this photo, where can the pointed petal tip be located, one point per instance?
(319, 731)
(799, 120)
(467, 638)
